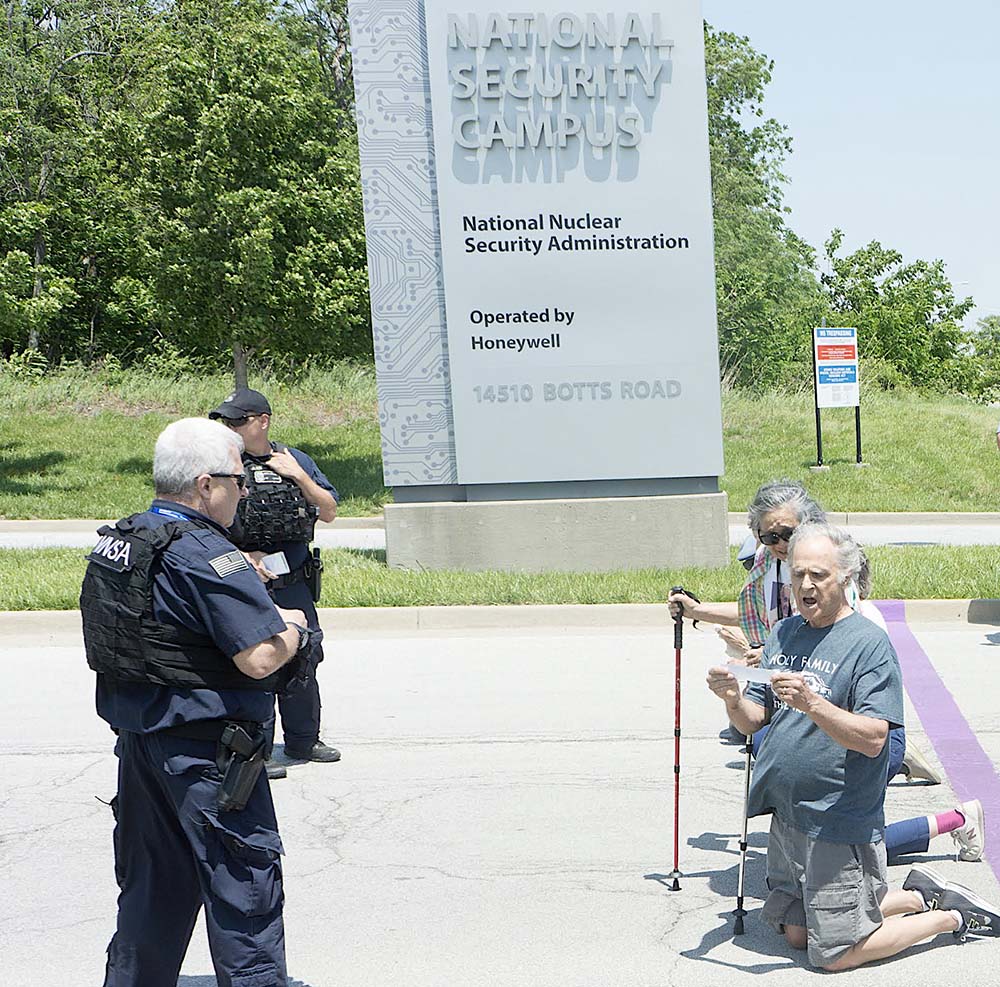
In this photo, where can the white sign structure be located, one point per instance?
(836, 353)
(573, 185)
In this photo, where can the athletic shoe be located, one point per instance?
(318, 752)
(916, 767)
(978, 916)
(971, 837)
(928, 882)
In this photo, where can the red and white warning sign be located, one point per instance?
(837, 384)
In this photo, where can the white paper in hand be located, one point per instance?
(276, 563)
(747, 674)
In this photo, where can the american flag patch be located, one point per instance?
(226, 565)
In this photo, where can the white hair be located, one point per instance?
(849, 554)
(783, 493)
(188, 448)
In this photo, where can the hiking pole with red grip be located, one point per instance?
(675, 874)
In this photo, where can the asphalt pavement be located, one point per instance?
(502, 813)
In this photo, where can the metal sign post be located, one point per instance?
(819, 425)
(857, 433)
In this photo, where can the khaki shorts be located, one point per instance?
(833, 889)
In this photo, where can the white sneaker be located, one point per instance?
(971, 837)
(916, 767)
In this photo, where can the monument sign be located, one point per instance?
(538, 210)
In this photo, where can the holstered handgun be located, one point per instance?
(314, 577)
(240, 758)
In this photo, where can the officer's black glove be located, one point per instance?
(303, 666)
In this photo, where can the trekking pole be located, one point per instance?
(739, 911)
(675, 874)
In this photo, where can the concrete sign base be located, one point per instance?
(580, 535)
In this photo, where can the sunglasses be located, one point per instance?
(773, 537)
(240, 478)
(237, 422)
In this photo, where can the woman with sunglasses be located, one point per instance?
(777, 509)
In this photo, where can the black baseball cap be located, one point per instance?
(240, 403)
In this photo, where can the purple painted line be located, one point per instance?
(970, 771)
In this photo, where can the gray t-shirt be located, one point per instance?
(802, 774)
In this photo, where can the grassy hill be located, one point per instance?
(78, 444)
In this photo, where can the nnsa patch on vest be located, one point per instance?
(113, 553)
(226, 565)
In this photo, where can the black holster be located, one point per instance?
(314, 575)
(310, 573)
(240, 758)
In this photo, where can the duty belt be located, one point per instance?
(299, 575)
(210, 730)
(240, 751)
(310, 573)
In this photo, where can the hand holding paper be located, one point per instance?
(748, 674)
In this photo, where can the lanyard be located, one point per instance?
(167, 513)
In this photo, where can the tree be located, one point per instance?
(983, 359)
(906, 314)
(326, 27)
(767, 292)
(66, 72)
(256, 236)
(179, 172)
(986, 339)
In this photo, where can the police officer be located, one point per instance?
(287, 493)
(188, 648)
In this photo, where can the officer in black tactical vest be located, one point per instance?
(287, 494)
(189, 650)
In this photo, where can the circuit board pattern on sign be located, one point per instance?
(392, 89)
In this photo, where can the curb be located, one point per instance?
(34, 628)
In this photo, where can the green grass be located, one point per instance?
(49, 579)
(923, 454)
(75, 445)
(78, 444)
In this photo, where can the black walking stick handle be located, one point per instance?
(679, 616)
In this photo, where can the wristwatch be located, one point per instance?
(304, 636)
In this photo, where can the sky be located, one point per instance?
(894, 112)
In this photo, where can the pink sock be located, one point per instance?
(947, 821)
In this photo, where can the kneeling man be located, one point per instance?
(821, 774)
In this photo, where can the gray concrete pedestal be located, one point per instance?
(574, 535)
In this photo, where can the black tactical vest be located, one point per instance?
(275, 510)
(122, 639)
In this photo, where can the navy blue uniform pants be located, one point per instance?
(175, 853)
(300, 712)
(300, 708)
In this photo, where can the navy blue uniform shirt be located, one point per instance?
(234, 610)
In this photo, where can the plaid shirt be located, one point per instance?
(755, 615)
